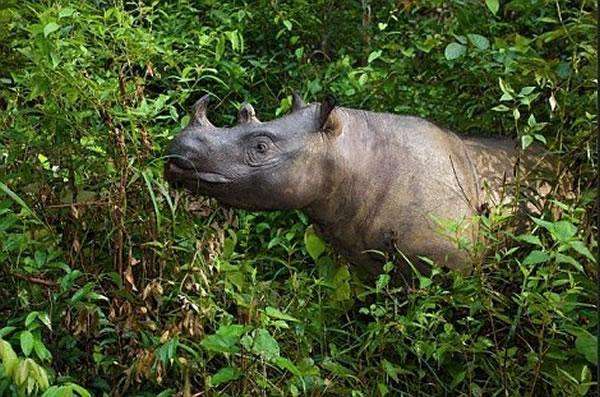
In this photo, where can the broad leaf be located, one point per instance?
(536, 257)
(265, 345)
(314, 244)
(224, 375)
(26, 340)
(493, 6)
(454, 51)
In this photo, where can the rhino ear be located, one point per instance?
(199, 112)
(329, 118)
(297, 102)
(247, 114)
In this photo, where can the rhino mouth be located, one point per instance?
(178, 172)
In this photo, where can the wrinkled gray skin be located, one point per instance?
(368, 181)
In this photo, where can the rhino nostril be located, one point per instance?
(181, 163)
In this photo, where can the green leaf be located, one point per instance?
(530, 239)
(50, 27)
(40, 258)
(30, 318)
(41, 351)
(284, 363)
(275, 313)
(373, 56)
(563, 231)
(587, 345)
(382, 281)
(391, 370)
(536, 257)
(314, 244)
(562, 258)
(454, 51)
(224, 375)
(337, 368)
(265, 345)
(43, 317)
(501, 108)
(225, 339)
(493, 6)
(26, 340)
(479, 41)
(82, 392)
(526, 91)
(540, 138)
(66, 12)
(424, 282)
(543, 223)
(39, 374)
(6, 331)
(9, 358)
(17, 199)
(582, 249)
(516, 114)
(526, 141)
(219, 48)
(287, 24)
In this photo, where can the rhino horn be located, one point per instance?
(246, 114)
(297, 102)
(199, 112)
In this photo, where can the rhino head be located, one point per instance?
(255, 165)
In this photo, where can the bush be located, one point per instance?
(112, 284)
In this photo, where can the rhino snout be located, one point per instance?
(187, 150)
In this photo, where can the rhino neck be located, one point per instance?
(358, 176)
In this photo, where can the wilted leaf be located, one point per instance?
(8, 357)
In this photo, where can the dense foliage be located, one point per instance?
(112, 284)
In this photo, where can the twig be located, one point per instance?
(35, 280)
(81, 204)
(462, 190)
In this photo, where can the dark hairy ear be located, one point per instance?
(246, 114)
(329, 120)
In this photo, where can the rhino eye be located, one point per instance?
(261, 147)
(259, 151)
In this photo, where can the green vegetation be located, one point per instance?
(111, 284)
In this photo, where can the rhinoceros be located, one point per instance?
(373, 184)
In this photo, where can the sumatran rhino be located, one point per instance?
(370, 182)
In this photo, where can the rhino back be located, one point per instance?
(403, 175)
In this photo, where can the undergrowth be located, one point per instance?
(113, 284)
